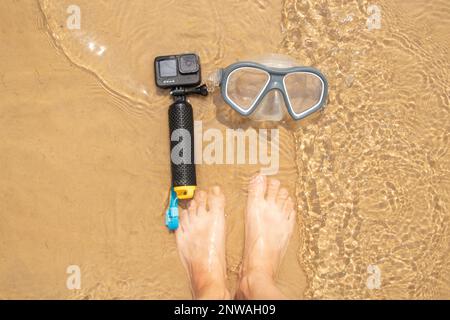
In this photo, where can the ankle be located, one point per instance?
(211, 291)
(251, 282)
(258, 271)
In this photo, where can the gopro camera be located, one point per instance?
(177, 71)
(182, 75)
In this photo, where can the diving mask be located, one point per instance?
(259, 88)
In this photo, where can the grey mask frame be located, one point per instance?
(274, 82)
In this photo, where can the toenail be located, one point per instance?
(274, 182)
(259, 178)
(216, 190)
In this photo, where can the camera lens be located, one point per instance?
(188, 64)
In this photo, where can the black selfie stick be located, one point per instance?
(181, 125)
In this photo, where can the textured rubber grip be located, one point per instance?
(181, 124)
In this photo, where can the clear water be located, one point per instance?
(371, 173)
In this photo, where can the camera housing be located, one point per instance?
(177, 71)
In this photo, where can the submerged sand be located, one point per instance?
(85, 160)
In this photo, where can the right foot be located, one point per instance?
(269, 222)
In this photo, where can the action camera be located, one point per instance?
(177, 71)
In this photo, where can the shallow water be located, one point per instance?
(87, 165)
(373, 178)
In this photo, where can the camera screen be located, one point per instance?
(168, 68)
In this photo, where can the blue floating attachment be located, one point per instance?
(172, 211)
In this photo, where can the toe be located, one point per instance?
(184, 219)
(184, 223)
(257, 187)
(282, 196)
(216, 199)
(272, 189)
(288, 208)
(192, 209)
(290, 213)
(200, 199)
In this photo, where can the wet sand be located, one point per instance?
(86, 177)
(85, 160)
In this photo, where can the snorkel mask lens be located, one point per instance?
(245, 85)
(304, 90)
(260, 89)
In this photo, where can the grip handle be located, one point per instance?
(181, 127)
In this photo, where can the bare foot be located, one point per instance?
(201, 244)
(269, 221)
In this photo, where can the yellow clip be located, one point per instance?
(184, 192)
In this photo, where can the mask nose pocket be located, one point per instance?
(271, 107)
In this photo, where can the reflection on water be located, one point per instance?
(119, 41)
(373, 178)
(373, 170)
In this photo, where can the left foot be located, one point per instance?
(201, 244)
